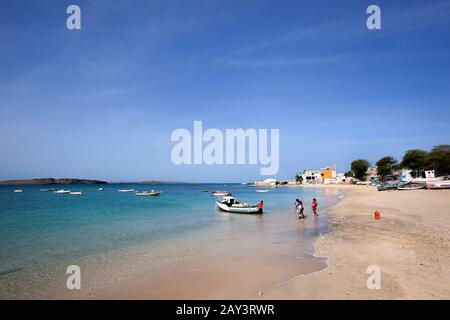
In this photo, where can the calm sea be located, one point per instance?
(42, 228)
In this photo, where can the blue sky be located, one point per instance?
(102, 102)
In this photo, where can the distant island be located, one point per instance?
(52, 181)
(43, 181)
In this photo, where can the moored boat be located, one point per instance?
(18, 190)
(152, 193)
(126, 190)
(62, 191)
(229, 204)
(262, 191)
(221, 193)
(76, 193)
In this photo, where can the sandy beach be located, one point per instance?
(410, 244)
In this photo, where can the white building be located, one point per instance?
(312, 176)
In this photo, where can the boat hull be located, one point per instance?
(149, 194)
(439, 185)
(221, 193)
(241, 210)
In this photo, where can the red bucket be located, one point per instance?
(377, 215)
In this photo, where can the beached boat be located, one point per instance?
(152, 193)
(411, 186)
(62, 191)
(444, 184)
(76, 193)
(18, 190)
(126, 190)
(262, 191)
(221, 193)
(229, 204)
(426, 180)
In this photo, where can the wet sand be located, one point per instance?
(410, 244)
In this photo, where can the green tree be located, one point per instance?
(348, 174)
(386, 166)
(439, 159)
(359, 168)
(299, 178)
(416, 160)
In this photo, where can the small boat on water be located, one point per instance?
(62, 191)
(18, 190)
(411, 186)
(205, 190)
(262, 191)
(76, 193)
(126, 190)
(100, 189)
(229, 204)
(221, 193)
(47, 190)
(152, 193)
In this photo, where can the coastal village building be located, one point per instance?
(311, 176)
(328, 175)
(372, 173)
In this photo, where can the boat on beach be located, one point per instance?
(444, 184)
(229, 204)
(62, 191)
(221, 193)
(126, 190)
(152, 193)
(411, 186)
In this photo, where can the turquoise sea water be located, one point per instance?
(38, 228)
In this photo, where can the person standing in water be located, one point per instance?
(299, 209)
(314, 205)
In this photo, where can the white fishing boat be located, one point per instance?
(62, 191)
(229, 204)
(126, 190)
(152, 193)
(426, 180)
(100, 189)
(262, 191)
(76, 193)
(221, 193)
(18, 190)
(444, 184)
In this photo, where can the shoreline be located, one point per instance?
(410, 244)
